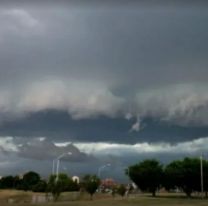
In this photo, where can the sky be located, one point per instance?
(112, 82)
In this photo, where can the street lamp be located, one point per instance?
(53, 168)
(102, 167)
(58, 163)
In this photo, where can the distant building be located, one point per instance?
(21, 176)
(76, 179)
(108, 183)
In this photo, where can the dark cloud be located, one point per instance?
(102, 71)
(42, 149)
(23, 154)
(59, 126)
(97, 62)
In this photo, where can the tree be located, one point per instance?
(205, 175)
(41, 186)
(121, 190)
(147, 175)
(7, 182)
(56, 187)
(17, 182)
(114, 190)
(173, 175)
(29, 180)
(185, 174)
(72, 185)
(91, 184)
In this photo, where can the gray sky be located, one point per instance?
(102, 73)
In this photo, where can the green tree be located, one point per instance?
(29, 180)
(205, 175)
(17, 182)
(41, 186)
(72, 185)
(90, 184)
(173, 175)
(114, 190)
(56, 187)
(185, 174)
(7, 182)
(147, 175)
(121, 190)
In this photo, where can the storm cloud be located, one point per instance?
(104, 61)
(103, 72)
(41, 149)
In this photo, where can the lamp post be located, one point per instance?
(53, 168)
(58, 163)
(102, 167)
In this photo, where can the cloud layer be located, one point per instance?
(184, 104)
(41, 149)
(196, 147)
(81, 99)
(113, 62)
(20, 153)
(123, 76)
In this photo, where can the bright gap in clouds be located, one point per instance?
(43, 150)
(188, 147)
(7, 144)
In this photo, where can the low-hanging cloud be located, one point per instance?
(81, 100)
(114, 62)
(195, 146)
(184, 104)
(41, 149)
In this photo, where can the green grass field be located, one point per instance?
(24, 199)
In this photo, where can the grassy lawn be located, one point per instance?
(24, 199)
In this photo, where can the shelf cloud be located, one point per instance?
(132, 74)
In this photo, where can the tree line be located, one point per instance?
(183, 175)
(31, 181)
(149, 175)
